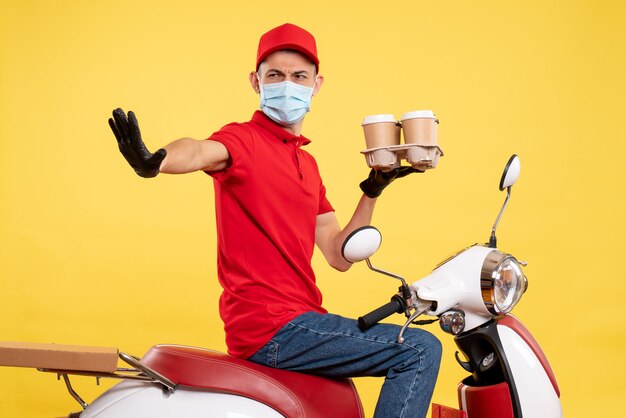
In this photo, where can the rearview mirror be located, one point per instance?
(511, 172)
(361, 244)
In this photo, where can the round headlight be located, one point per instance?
(502, 282)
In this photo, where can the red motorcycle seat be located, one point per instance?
(295, 395)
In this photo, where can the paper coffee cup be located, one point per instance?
(420, 127)
(381, 131)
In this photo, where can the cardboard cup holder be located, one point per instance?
(382, 137)
(420, 157)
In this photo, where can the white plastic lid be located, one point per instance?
(418, 114)
(379, 118)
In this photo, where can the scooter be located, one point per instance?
(470, 294)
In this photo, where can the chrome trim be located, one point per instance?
(412, 318)
(492, 262)
(492, 238)
(404, 286)
(452, 321)
(386, 273)
(151, 373)
(123, 374)
(132, 374)
(72, 392)
(487, 279)
(140, 372)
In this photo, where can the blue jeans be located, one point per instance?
(333, 346)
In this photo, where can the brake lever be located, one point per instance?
(421, 308)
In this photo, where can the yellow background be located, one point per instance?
(92, 254)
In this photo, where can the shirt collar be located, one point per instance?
(276, 130)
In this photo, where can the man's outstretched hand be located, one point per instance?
(126, 131)
(374, 184)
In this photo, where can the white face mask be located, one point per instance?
(286, 103)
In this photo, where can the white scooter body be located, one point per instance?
(138, 399)
(535, 384)
(454, 283)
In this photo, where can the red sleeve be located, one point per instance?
(325, 205)
(238, 141)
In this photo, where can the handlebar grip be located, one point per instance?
(396, 305)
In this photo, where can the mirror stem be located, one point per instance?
(404, 290)
(395, 276)
(492, 239)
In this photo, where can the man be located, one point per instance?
(272, 210)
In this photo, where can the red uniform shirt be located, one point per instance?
(267, 202)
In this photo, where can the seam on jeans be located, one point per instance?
(418, 373)
(272, 355)
(405, 344)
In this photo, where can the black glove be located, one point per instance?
(374, 184)
(131, 146)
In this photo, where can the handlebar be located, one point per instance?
(396, 305)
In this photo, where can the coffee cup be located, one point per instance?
(420, 127)
(381, 131)
(420, 131)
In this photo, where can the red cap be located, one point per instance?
(287, 36)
